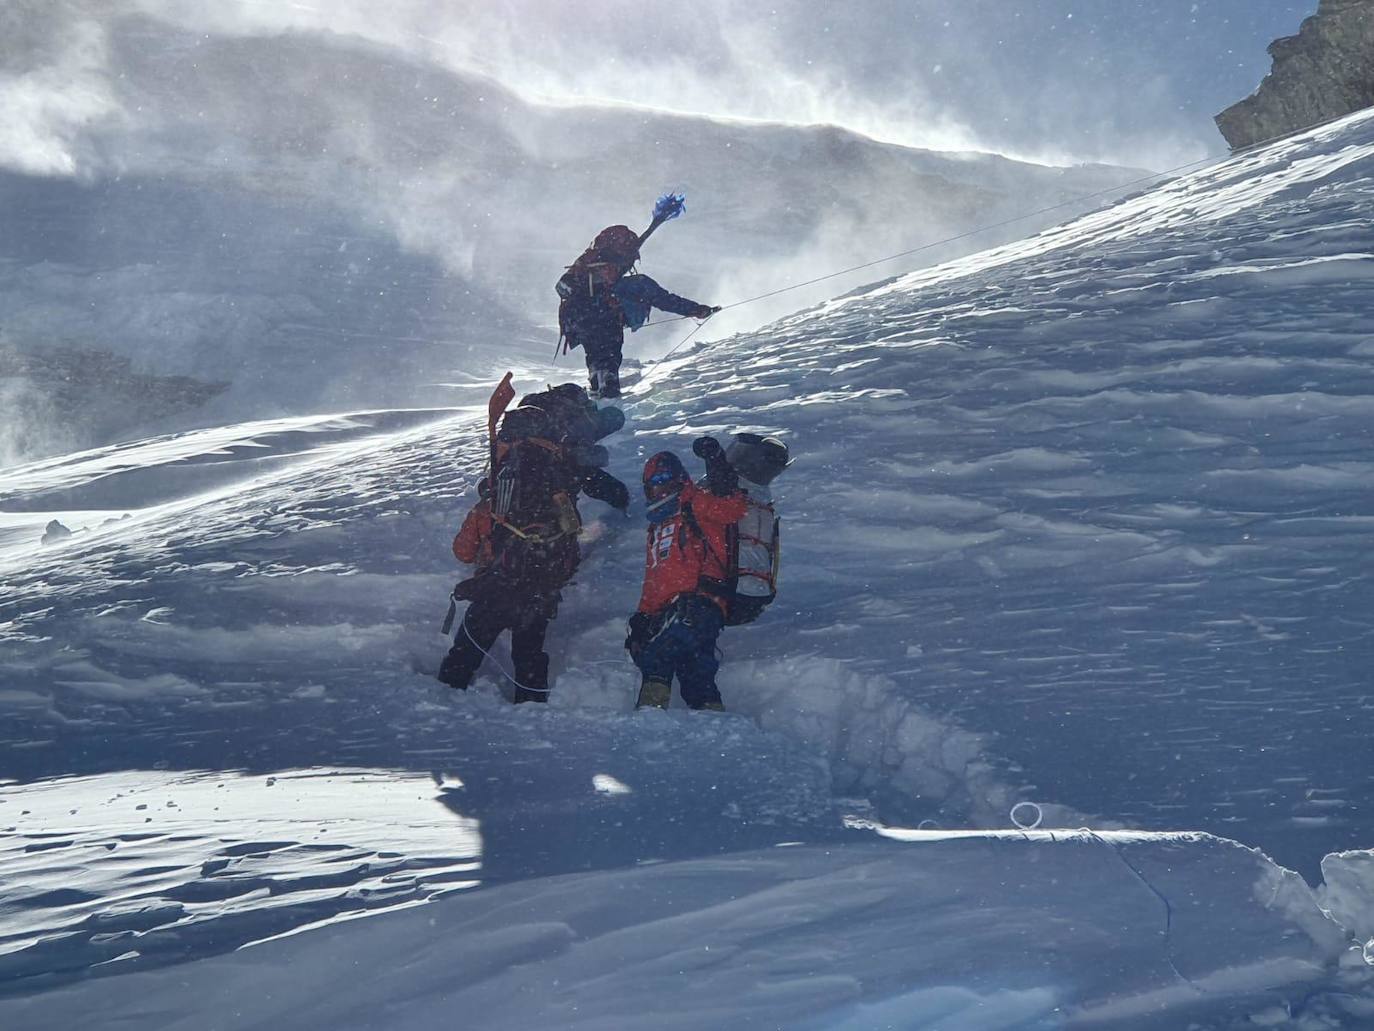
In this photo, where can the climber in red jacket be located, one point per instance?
(682, 606)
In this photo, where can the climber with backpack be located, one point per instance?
(522, 535)
(687, 568)
(600, 294)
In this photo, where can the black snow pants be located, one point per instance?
(526, 614)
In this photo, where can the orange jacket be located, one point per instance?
(473, 543)
(677, 556)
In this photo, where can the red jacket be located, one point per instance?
(677, 556)
(473, 543)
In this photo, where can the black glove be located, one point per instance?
(637, 633)
(601, 485)
(721, 478)
(703, 311)
(708, 449)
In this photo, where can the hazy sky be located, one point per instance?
(1127, 81)
(1131, 81)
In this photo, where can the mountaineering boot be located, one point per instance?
(533, 676)
(710, 707)
(457, 669)
(654, 694)
(610, 384)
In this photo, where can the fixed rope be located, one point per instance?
(497, 662)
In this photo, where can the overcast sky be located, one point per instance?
(1126, 81)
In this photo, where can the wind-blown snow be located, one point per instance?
(1081, 522)
(306, 222)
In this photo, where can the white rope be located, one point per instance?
(1020, 822)
(1077, 199)
(496, 662)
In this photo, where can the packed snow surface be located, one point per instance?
(1083, 521)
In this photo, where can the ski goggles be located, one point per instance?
(662, 485)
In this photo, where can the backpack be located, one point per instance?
(752, 556)
(586, 300)
(533, 497)
(755, 555)
(754, 544)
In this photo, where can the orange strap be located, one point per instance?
(503, 447)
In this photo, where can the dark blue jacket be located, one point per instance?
(596, 321)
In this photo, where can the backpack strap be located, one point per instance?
(528, 533)
(723, 589)
(547, 445)
(503, 447)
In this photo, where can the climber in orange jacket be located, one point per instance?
(682, 606)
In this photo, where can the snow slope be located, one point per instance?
(1081, 521)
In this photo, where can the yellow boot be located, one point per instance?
(654, 693)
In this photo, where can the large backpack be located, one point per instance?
(586, 298)
(754, 543)
(755, 555)
(534, 496)
(751, 562)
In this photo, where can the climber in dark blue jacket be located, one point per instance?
(601, 296)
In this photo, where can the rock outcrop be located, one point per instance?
(59, 398)
(1324, 72)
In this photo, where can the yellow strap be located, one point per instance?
(523, 535)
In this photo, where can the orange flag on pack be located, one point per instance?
(501, 398)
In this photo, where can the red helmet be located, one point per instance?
(617, 243)
(664, 475)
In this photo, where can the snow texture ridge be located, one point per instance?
(796, 937)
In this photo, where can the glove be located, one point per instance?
(721, 478)
(703, 311)
(637, 634)
(708, 449)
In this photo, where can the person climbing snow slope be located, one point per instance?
(600, 296)
(522, 533)
(683, 604)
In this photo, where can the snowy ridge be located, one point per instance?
(1080, 522)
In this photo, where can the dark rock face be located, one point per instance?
(57, 399)
(1324, 72)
